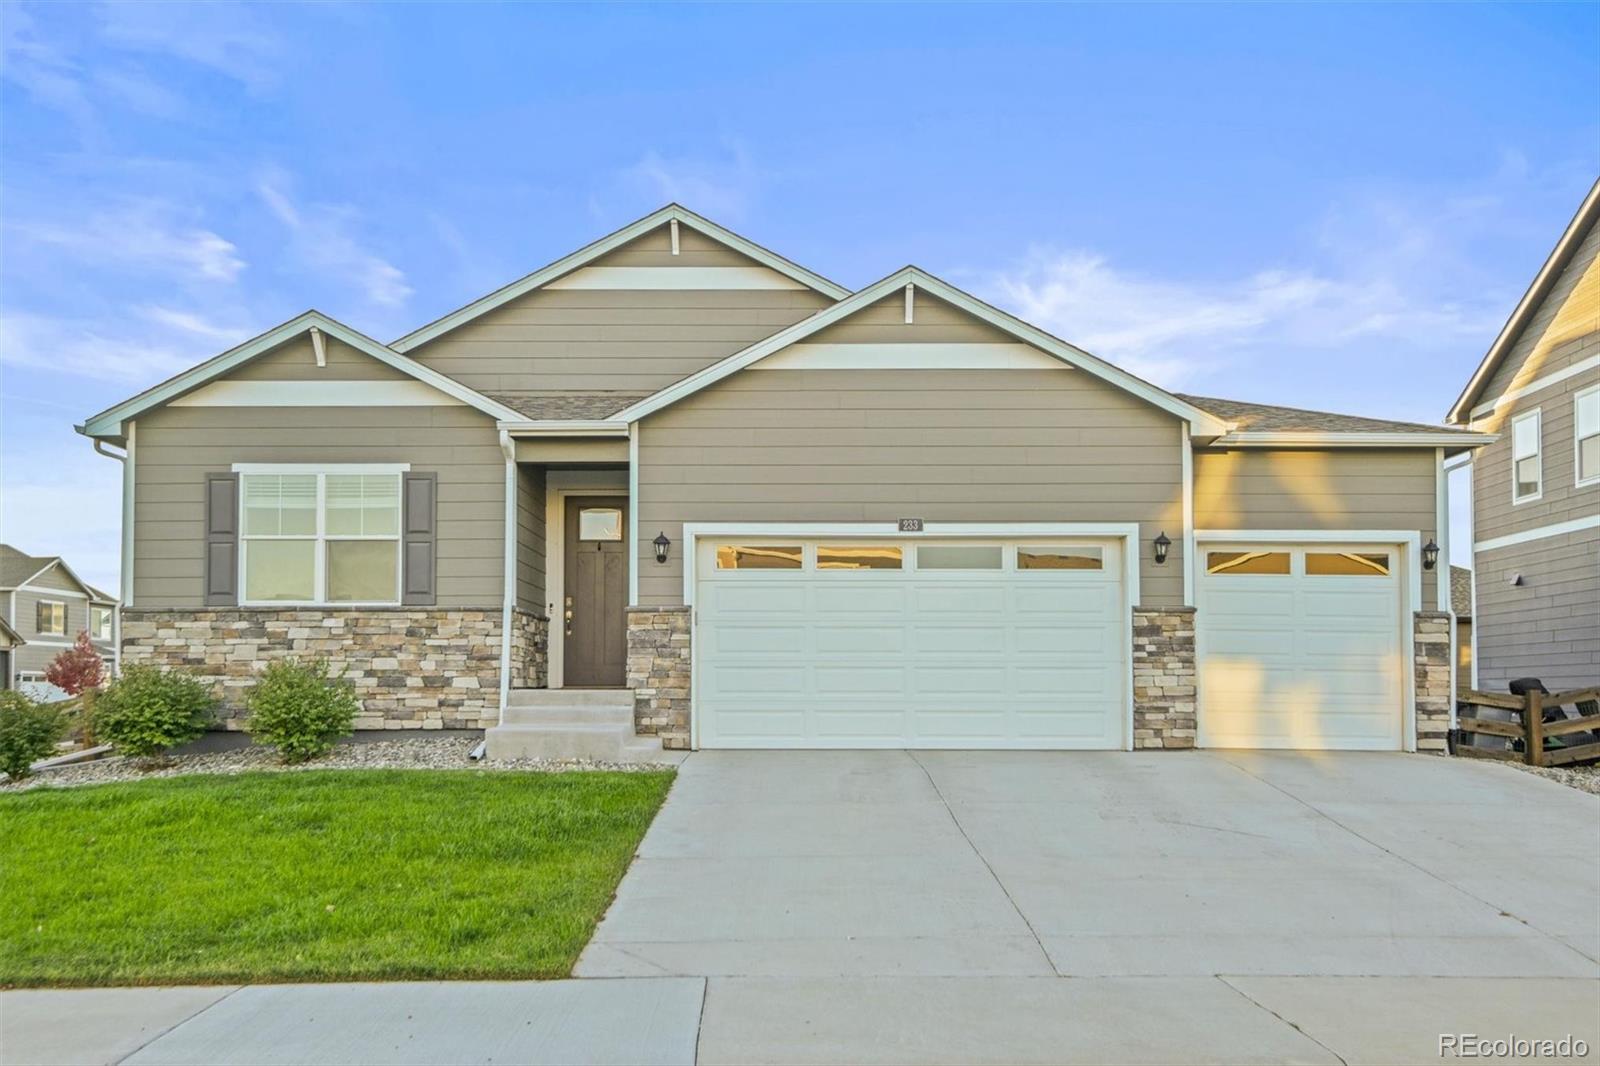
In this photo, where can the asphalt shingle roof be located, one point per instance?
(1461, 591)
(17, 567)
(565, 405)
(1268, 418)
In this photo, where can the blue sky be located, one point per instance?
(1327, 206)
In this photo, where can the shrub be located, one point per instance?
(28, 732)
(301, 709)
(148, 710)
(78, 668)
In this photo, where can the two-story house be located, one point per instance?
(1536, 489)
(47, 605)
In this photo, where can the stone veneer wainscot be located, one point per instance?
(1163, 677)
(413, 667)
(1430, 649)
(658, 672)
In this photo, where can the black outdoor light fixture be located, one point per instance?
(1163, 542)
(662, 544)
(1430, 555)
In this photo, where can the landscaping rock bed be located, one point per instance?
(1582, 778)
(433, 753)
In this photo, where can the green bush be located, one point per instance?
(28, 732)
(148, 710)
(301, 709)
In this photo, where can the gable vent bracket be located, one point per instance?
(911, 302)
(319, 346)
(674, 227)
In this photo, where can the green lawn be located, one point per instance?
(322, 875)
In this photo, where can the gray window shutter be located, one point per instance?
(222, 540)
(418, 547)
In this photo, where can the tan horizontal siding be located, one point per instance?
(177, 446)
(716, 457)
(933, 321)
(1358, 488)
(531, 538)
(296, 360)
(617, 340)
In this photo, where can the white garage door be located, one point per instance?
(1299, 646)
(856, 643)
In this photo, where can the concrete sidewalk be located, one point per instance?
(798, 1020)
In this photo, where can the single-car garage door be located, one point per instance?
(860, 643)
(1299, 646)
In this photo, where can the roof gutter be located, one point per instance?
(1321, 439)
(564, 427)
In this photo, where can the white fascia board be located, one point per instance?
(589, 253)
(1203, 424)
(1322, 439)
(109, 423)
(558, 427)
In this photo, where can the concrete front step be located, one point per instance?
(601, 742)
(571, 697)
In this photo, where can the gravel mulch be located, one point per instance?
(1582, 778)
(419, 753)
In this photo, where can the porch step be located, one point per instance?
(572, 724)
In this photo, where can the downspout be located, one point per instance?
(509, 449)
(125, 561)
(1444, 601)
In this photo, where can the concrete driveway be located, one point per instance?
(1228, 907)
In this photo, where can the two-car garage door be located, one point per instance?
(856, 643)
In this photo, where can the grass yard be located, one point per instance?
(323, 875)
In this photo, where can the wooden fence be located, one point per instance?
(1531, 730)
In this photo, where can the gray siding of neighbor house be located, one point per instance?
(1549, 625)
(1358, 488)
(1042, 445)
(177, 446)
(628, 341)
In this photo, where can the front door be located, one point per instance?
(595, 599)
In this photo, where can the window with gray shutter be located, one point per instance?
(420, 551)
(222, 540)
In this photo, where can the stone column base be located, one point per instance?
(658, 672)
(1163, 677)
(1430, 652)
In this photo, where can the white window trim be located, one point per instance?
(111, 620)
(1538, 440)
(50, 632)
(1578, 480)
(320, 538)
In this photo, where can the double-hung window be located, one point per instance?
(51, 618)
(1527, 467)
(320, 536)
(1586, 435)
(100, 623)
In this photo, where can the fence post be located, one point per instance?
(1534, 724)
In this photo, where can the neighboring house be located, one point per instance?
(48, 606)
(766, 511)
(10, 641)
(1536, 489)
(1461, 605)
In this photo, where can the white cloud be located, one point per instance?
(41, 68)
(719, 188)
(226, 38)
(146, 235)
(322, 240)
(196, 325)
(41, 484)
(67, 346)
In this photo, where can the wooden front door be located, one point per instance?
(595, 600)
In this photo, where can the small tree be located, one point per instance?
(28, 732)
(78, 668)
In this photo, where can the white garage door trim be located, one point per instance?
(1408, 544)
(1125, 532)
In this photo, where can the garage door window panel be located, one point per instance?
(1347, 564)
(1060, 558)
(759, 557)
(959, 557)
(1247, 562)
(859, 557)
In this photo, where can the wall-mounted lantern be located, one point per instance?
(662, 544)
(1430, 555)
(1162, 544)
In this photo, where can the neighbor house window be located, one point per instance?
(100, 623)
(320, 537)
(51, 618)
(1586, 429)
(1527, 469)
